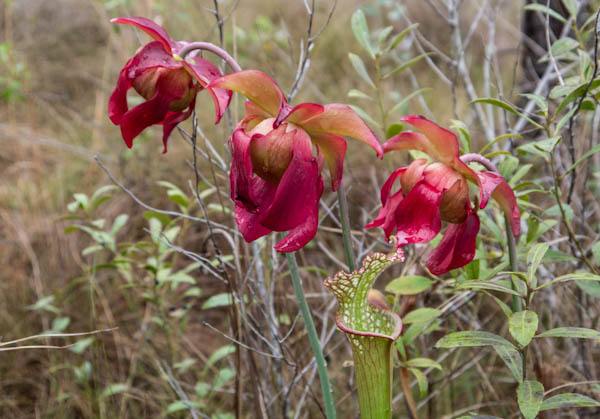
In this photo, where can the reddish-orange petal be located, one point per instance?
(333, 148)
(152, 29)
(256, 86)
(341, 120)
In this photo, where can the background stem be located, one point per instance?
(315, 344)
(346, 233)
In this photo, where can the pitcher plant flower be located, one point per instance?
(168, 83)
(432, 192)
(278, 152)
(365, 316)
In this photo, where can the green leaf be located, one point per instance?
(543, 9)
(361, 31)
(400, 37)
(422, 363)
(512, 359)
(563, 45)
(507, 107)
(421, 315)
(219, 354)
(572, 6)
(582, 159)
(82, 345)
(530, 395)
(119, 223)
(471, 338)
(570, 332)
(534, 258)
(180, 405)
(406, 65)
(522, 326)
(360, 68)
(565, 400)
(421, 381)
(589, 287)
(392, 130)
(113, 389)
(487, 285)
(578, 276)
(218, 300)
(354, 93)
(408, 285)
(541, 148)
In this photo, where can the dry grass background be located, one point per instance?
(72, 55)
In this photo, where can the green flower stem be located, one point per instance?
(346, 233)
(512, 259)
(315, 344)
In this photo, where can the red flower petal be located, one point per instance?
(248, 224)
(240, 175)
(256, 86)
(295, 197)
(437, 142)
(505, 197)
(457, 247)
(150, 56)
(171, 121)
(489, 182)
(152, 29)
(417, 217)
(300, 235)
(389, 204)
(333, 148)
(205, 72)
(342, 120)
(299, 113)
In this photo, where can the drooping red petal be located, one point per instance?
(489, 182)
(341, 120)
(171, 121)
(248, 224)
(417, 217)
(152, 29)
(295, 197)
(204, 71)
(298, 114)
(504, 195)
(493, 184)
(333, 148)
(299, 236)
(385, 218)
(150, 56)
(457, 247)
(256, 86)
(240, 175)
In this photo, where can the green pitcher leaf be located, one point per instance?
(530, 395)
(366, 318)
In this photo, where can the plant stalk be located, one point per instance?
(346, 232)
(313, 338)
(512, 259)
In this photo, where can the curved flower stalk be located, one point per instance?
(168, 83)
(365, 316)
(276, 180)
(434, 191)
